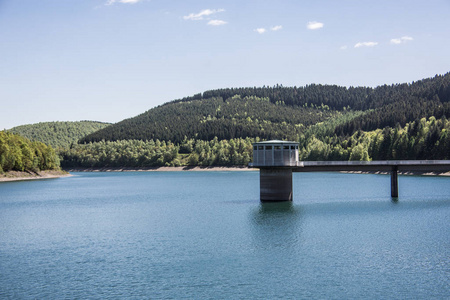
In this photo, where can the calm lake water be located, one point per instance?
(205, 235)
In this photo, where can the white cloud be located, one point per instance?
(365, 44)
(314, 25)
(276, 28)
(202, 14)
(343, 48)
(396, 41)
(216, 22)
(260, 30)
(401, 40)
(110, 2)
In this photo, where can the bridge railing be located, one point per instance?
(275, 164)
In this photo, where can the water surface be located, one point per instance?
(205, 235)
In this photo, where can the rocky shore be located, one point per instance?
(18, 176)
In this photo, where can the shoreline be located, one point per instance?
(410, 173)
(162, 169)
(232, 169)
(22, 176)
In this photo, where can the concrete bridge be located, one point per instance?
(277, 160)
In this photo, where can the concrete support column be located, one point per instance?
(275, 184)
(394, 182)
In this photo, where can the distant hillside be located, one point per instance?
(205, 119)
(58, 134)
(284, 112)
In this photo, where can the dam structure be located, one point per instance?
(277, 160)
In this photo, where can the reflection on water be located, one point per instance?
(276, 225)
(275, 207)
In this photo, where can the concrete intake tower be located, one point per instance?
(275, 159)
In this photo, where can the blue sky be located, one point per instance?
(107, 60)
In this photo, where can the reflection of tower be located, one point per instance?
(276, 225)
(269, 209)
(275, 160)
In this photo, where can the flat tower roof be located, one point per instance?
(276, 142)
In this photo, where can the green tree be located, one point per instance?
(359, 153)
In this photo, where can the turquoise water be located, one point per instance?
(205, 235)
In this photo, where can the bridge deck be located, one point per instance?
(381, 165)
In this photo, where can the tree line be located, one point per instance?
(340, 98)
(143, 154)
(20, 154)
(421, 139)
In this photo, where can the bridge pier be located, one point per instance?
(394, 182)
(275, 184)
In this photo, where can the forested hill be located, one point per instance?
(402, 121)
(284, 112)
(205, 119)
(58, 134)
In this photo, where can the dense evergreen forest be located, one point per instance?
(284, 112)
(235, 117)
(58, 134)
(20, 154)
